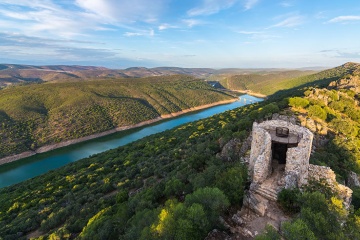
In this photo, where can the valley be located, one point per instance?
(37, 115)
(185, 182)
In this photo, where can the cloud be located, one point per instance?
(348, 54)
(248, 32)
(209, 7)
(344, 19)
(67, 19)
(192, 22)
(258, 35)
(122, 11)
(24, 49)
(150, 33)
(289, 21)
(165, 26)
(44, 16)
(337, 53)
(288, 3)
(249, 4)
(34, 47)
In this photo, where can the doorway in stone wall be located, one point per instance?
(279, 152)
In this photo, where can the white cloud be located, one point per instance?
(249, 4)
(150, 33)
(288, 3)
(344, 19)
(192, 22)
(165, 26)
(248, 32)
(125, 10)
(209, 7)
(289, 21)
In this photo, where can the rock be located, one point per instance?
(230, 151)
(310, 124)
(217, 235)
(291, 180)
(353, 180)
(224, 223)
(256, 203)
(237, 219)
(322, 173)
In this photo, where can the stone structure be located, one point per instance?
(270, 144)
(279, 158)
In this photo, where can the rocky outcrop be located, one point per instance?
(350, 82)
(353, 180)
(216, 235)
(322, 173)
(234, 150)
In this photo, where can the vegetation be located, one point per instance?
(270, 83)
(172, 186)
(35, 115)
(319, 216)
(262, 82)
(157, 187)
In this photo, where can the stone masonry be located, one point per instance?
(297, 157)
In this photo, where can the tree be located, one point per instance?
(297, 230)
(232, 182)
(213, 201)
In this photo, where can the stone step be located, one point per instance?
(269, 190)
(267, 196)
(267, 193)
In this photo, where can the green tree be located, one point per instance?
(298, 230)
(232, 182)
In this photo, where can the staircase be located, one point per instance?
(266, 192)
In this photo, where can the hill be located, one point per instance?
(39, 114)
(184, 182)
(14, 74)
(270, 82)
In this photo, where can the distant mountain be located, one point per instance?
(15, 73)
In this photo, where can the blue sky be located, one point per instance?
(182, 33)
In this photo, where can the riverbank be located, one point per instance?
(50, 147)
(251, 93)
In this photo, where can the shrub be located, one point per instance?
(317, 111)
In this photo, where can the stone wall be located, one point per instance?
(297, 158)
(260, 155)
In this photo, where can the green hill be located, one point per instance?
(172, 186)
(269, 83)
(39, 114)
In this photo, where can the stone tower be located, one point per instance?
(280, 143)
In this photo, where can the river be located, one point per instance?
(38, 164)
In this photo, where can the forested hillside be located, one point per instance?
(269, 83)
(172, 185)
(39, 114)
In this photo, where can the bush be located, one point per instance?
(298, 102)
(317, 111)
(289, 200)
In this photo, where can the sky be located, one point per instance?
(181, 33)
